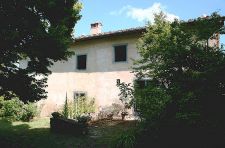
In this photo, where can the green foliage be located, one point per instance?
(29, 111)
(15, 109)
(186, 92)
(176, 55)
(78, 107)
(151, 102)
(1, 106)
(83, 105)
(125, 140)
(126, 94)
(65, 111)
(38, 31)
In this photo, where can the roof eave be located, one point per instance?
(111, 34)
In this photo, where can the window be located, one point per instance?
(120, 53)
(81, 62)
(78, 94)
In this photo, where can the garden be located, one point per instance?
(70, 127)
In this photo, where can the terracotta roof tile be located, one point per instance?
(110, 33)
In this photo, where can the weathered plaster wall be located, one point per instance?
(98, 80)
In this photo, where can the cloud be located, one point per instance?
(146, 14)
(122, 10)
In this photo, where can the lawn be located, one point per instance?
(36, 134)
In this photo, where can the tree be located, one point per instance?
(38, 31)
(178, 57)
(182, 65)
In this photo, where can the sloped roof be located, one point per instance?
(128, 31)
(110, 33)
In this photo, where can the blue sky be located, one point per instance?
(123, 14)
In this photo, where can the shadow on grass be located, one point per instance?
(36, 134)
(19, 135)
(25, 136)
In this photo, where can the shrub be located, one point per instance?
(15, 109)
(65, 111)
(29, 111)
(12, 109)
(126, 94)
(83, 105)
(77, 108)
(151, 102)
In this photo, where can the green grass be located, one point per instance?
(109, 130)
(36, 134)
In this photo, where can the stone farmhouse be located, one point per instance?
(101, 61)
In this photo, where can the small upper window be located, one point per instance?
(81, 62)
(120, 53)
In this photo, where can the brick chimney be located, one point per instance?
(96, 28)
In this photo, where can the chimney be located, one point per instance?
(96, 28)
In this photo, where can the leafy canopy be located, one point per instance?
(38, 31)
(179, 57)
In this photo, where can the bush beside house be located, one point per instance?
(15, 109)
